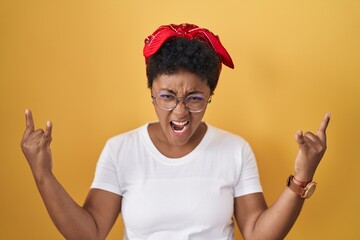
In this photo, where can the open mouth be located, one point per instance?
(179, 128)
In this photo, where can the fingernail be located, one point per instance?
(48, 124)
(26, 112)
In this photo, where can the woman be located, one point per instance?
(178, 178)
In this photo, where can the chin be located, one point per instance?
(179, 138)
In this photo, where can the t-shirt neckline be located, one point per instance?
(176, 161)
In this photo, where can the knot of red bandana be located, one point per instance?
(189, 31)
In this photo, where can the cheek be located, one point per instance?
(161, 115)
(198, 118)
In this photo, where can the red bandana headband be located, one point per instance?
(189, 31)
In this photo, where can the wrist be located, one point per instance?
(300, 182)
(42, 176)
(302, 178)
(304, 190)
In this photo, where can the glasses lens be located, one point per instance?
(166, 101)
(195, 102)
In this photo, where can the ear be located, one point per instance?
(152, 99)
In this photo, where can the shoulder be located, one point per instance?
(131, 134)
(129, 138)
(224, 137)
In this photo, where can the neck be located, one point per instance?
(175, 151)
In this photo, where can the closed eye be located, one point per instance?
(195, 98)
(166, 96)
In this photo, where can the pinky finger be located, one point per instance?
(48, 131)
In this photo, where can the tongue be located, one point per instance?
(178, 127)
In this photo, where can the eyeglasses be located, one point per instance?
(193, 103)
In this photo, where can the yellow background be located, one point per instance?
(80, 64)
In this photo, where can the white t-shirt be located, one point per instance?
(191, 197)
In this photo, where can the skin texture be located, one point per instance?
(96, 217)
(181, 84)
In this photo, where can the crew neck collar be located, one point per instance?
(176, 161)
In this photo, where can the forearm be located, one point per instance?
(73, 221)
(256, 220)
(276, 221)
(92, 221)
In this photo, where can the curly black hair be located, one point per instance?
(181, 54)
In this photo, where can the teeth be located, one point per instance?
(180, 131)
(183, 129)
(179, 127)
(179, 123)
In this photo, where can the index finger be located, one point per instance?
(323, 126)
(29, 122)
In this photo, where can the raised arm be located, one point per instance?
(100, 210)
(255, 219)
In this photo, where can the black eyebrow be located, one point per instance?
(168, 90)
(187, 94)
(195, 92)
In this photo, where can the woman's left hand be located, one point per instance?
(311, 150)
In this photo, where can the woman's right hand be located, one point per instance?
(35, 145)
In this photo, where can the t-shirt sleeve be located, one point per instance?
(106, 172)
(249, 181)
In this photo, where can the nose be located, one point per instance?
(180, 107)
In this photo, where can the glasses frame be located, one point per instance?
(178, 100)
